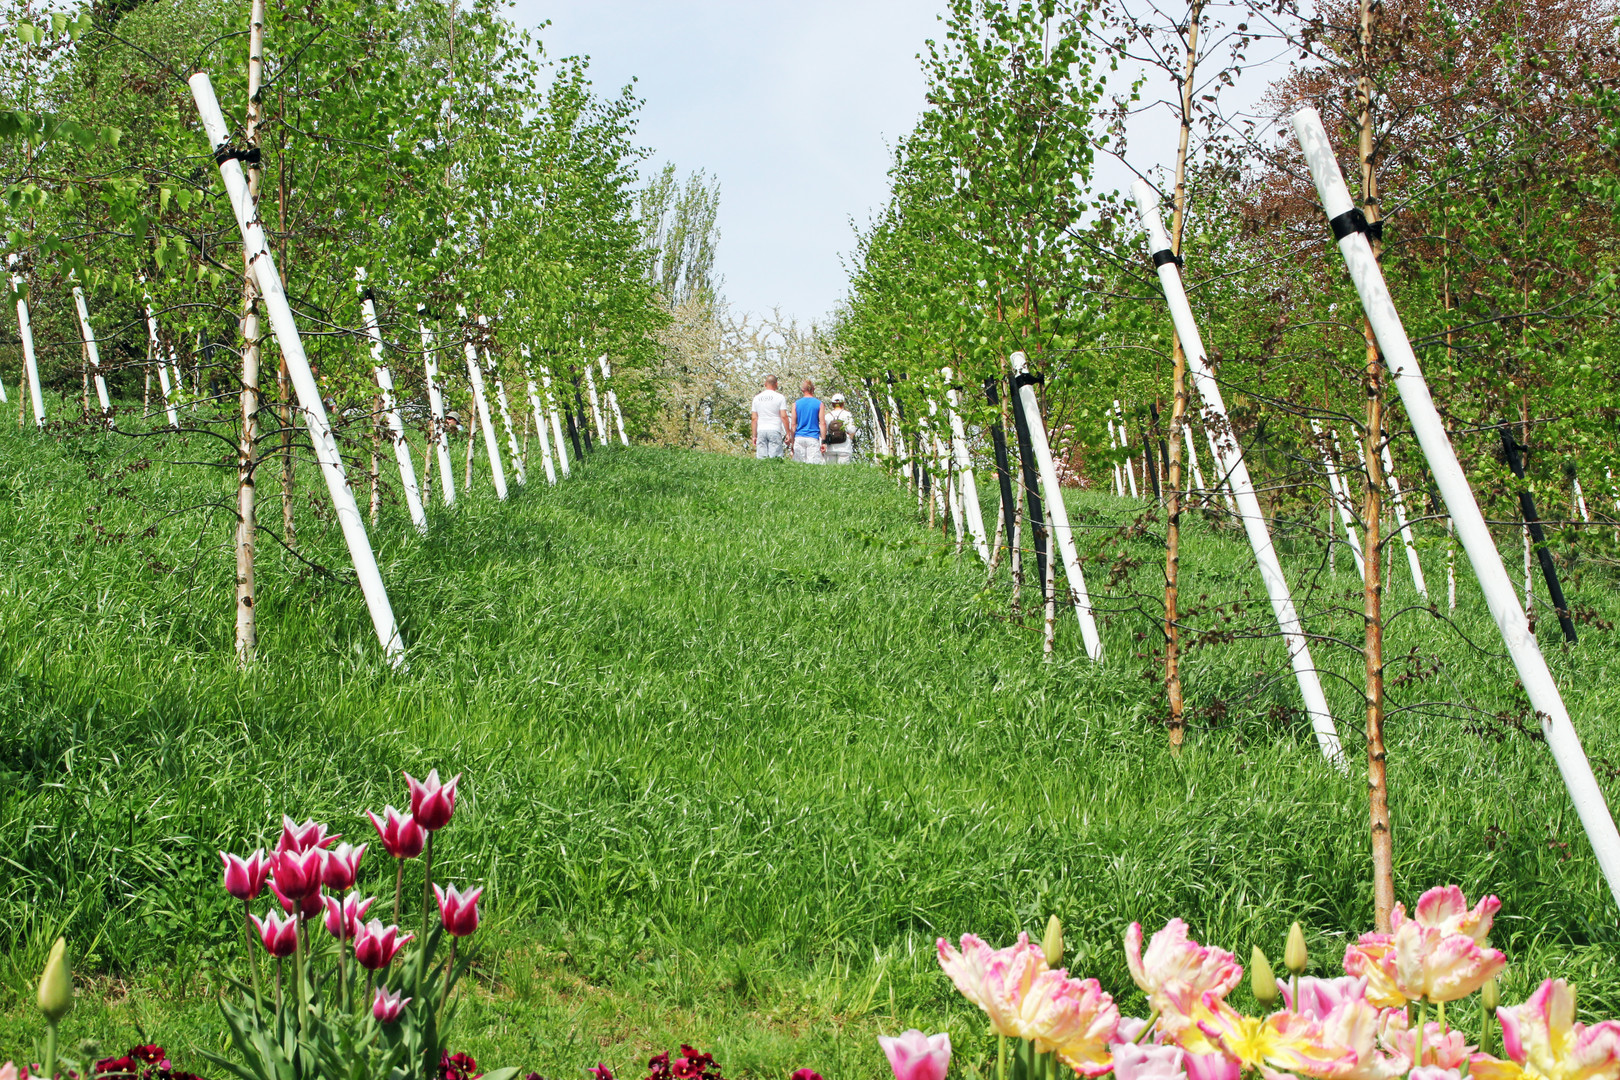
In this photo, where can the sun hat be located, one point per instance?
(837, 399)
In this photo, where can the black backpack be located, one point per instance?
(836, 433)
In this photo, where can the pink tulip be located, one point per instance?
(307, 906)
(1151, 1062)
(1026, 999)
(600, 1071)
(1443, 1049)
(376, 944)
(1372, 958)
(343, 920)
(1129, 1030)
(1214, 1066)
(805, 1074)
(459, 910)
(1284, 1042)
(1433, 1072)
(1319, 997)
(915, 1056)
(341, 866)
(1440, 953)
(244, 878)
(1542, 1039)
(432, 803)
(280, 936)
(1353, 1027)
(1176, 972)
(301, 838)
(385, 1006)
(297, 873)
(401, 836)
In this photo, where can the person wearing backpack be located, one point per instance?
(841, 432)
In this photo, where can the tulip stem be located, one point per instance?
(50, 1049)
(1293, 985)
(1423, 1022)
(1001, 1065)
(449, 973)
(399, 887)
(370, 975)
(1442, 1019)
(1153, 1018)
(253, 961)
(298, 980)
(1485, 1031)
(427, 902)
(278, 988)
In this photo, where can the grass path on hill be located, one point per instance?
(739, 741)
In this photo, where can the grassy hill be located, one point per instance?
(739, 740)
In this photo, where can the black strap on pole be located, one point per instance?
(1538, 536)
(1148, 432)
(1032, 490)
(1009, 511)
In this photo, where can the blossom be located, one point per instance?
(600, 1071)
(1543, 1041)
(244, 878)
(1440, 953)
(1442, 1049)
(8, 1071)
(1352, 1026)
(1212, 1066)
(805, 1074)
(457, 1066)
(376, 944)
(432, 803)
(459, 910)
(1176, 971)
(1318, 997)
(915, 1056)
(343, 920)
(280, 936)
(341, 866)
(307, 906)
(1433, 1072)
(1283, 1041)
(1372, 958)
(1150, 1062)
(297, 873)
(385, 1006)
(302, 838)
(401, 836)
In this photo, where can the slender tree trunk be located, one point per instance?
(289, 529)
(247, 631)
(376, 460)
(1383, 851)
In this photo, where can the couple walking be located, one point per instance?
(820, 435)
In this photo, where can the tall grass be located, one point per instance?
(740, 740)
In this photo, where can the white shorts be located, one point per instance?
(770, 444)
(840, 453)
(807, 450)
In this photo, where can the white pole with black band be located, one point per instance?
(1349, 227)
(1232, 464)
(1057, 515)
(303, 379)
(390, 408)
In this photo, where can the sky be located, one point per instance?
(794, 106)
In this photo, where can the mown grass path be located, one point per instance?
(739, 740)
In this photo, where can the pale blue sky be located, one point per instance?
(794, 106)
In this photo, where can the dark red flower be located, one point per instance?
(806, 1074)
(600, 1071)
(658, 1067)
(120, 1066)
(457, 1067)
(152, 1055)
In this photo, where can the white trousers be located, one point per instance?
(807, 450)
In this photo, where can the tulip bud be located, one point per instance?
(1490, 995)
(1052, 944)
(56, 985)
(1261, 980)
(1294, 956)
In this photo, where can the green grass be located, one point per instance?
(739, 741)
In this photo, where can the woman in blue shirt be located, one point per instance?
(809, 428)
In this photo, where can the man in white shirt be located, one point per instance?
(768, 421)
(841, 432)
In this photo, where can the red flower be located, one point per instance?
(297, 873)
(244, 878)
(432, 803)
(457, 1067)
(301, 838)
(401, 836)
(600, 1071)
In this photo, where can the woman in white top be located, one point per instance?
(840, 421)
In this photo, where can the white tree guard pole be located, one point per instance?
(441, 437)
(613, 399)
(154, 352)
(3, 399)
(506, 410)
(880, 440)
(1341, 500)
(556, 421)
(964, 469)
(899, 439)
(540, 425)
(1113, 444)
(93, 352)
(475, 375)
(1539, 686)
(26, 330)
(596, 404)
(385, 388)
(1057, 514)
(1580, 499)
(1124, 444)
(1412, 561)
(303, 379)
(1192, 455)
(1230, 457)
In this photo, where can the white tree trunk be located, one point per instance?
(154, 347)
(435, 392)
(1124, 444)
(475, 375)
(385, 388)
(613, 399)
(506, 409)
(1341, 500)
(596, 404)
(1412, 561)
(30, 366)
(540, 425)
(964, 470)
(93, 353)
(556, 421)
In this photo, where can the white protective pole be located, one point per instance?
(1537, 679)
(1192, 455)
(1580, 500)
(556, 421)
(303, 379)
(1230, 457)
(1412, 560)
(540, 425)
(1124, 444)
(441, 437)
(596, 404)
(880, 441)
(385, 388)
(475, 375)
(26, 329)
(941, 462)
(964, 469)
(900, 439)
(3, 399)
(613, 399)
(154, 352)
(1113, 444)
(1340, 498)
(93, 352)
(1057, 515)
(506, 411)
